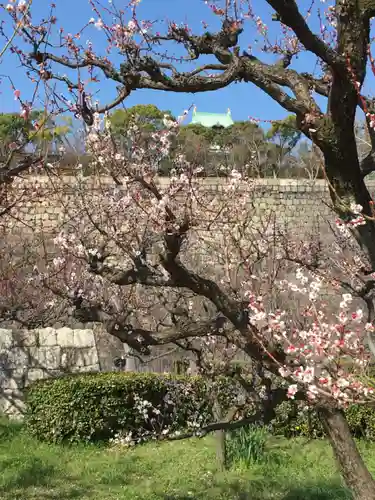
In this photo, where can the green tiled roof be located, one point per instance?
(212, 119)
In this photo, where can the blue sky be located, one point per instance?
(244, 99)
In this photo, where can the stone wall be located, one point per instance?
(26, 356)
(30, 355)
(297, 201)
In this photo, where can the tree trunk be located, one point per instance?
(130, 360)
(352, 467)
(221, 454)
(347, 186)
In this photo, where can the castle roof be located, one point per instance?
(212, 119)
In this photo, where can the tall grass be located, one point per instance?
(247, 445)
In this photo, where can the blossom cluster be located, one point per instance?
(329, 354)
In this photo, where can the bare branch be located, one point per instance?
(290, 15)
(265, 415)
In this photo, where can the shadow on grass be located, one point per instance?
(9, 430)
(262, 491)
(19, 475)
(33, 472)
(318, 492)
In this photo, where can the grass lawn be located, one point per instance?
(181, 470)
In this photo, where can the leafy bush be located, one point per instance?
(130, 408)
(247, 445)
(293, 420)
(139, 406)
(361, 420)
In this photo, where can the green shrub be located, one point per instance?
(293, 420)
(361, 420)
(97, 407)
(133, 407)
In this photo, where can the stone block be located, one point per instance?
(10, 383)
(75, 359)
(86, 369)
(65, 337)
(14, 358)
(45, 358)
(69, 358)
(47, 337)
(90, 357)
(35, 374)
(25, 338)
(12, 402)
(84, 338)
(6, 339)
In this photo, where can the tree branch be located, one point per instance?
(8, 172)
(290, 15)
(265, 415)
(140, 72)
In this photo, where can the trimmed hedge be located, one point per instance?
(98, 407)
(95, 407)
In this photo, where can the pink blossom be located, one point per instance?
(292, 390)
(358, 315)
(99, 24)
(356, 208)
(25, 113)
(22, 5)
(132, 25)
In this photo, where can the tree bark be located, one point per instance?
(352, 467)
(347, 186)
(130, 360)
(221, 454)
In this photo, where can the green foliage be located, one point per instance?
(293, 420)
(52, 131)
(147, 116)
(361, 420)
(285, 132)
(236, 134)
(144, 406)
(217, 150)
(97, 407)
(246, 445)
(14, 128)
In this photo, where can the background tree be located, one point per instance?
(285, 136)
(38, 132)
(243, 145)
(147, 117)
(285, 133)
(15, 130)
(52, 135)
(308, 161)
